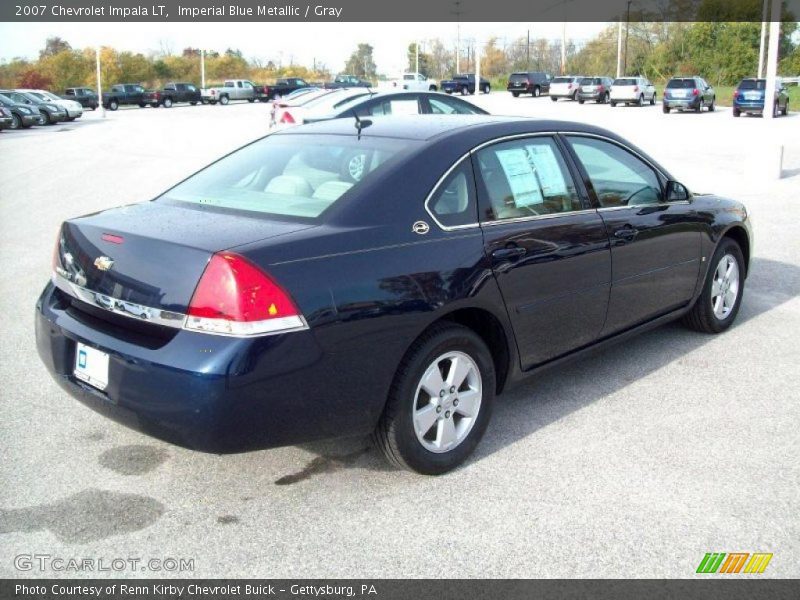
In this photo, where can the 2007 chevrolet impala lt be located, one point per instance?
(387, 277)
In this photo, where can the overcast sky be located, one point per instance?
(328, 43)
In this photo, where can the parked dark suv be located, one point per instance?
(534, 83)
(688, 93)
(748, 98)
(594, 88)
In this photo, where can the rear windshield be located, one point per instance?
(562, 80)
(624, 82)
(591, 81)
(680, 83)
(753, 84)
(289, 175)
(518, 76)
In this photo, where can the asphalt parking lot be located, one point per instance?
(632, 463)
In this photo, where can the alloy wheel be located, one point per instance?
(447, 402)
(725, 287)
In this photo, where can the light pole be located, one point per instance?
(619, 49)
(764, 8)
(627, 27)
(99, 83)
(202, 69)
(457, 13)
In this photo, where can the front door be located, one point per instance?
(655, 245)
(549, 250)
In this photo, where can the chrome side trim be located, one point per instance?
(570, 213)
(176, 320)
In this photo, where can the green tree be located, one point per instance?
(424, 60)
(361, 63)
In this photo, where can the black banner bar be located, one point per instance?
(388, 10)
(729, 588)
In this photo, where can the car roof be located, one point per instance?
(430, 127)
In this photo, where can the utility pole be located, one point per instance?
(202, 68)
(416, 68)
(564, 48)
(627, 27)
(619, 50)
(764, 8)
(457, 13)
(528, 53)
(99, 84)
(477, 69)
(772, 58)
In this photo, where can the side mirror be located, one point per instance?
(676, 192)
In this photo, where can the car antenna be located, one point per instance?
(360, 124)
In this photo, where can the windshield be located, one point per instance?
(753, 84)
(680, 83)
(289, 175)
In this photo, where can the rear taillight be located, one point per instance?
(636, 88)
(695, 91)
(600, 88)
(569, 86)
(287, 118)
(213, 92)
(235, 297)
(735, 93)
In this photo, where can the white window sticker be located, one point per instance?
(547, 168)
(521, 176)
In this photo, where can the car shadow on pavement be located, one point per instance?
(553, 395)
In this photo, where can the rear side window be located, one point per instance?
(525, 178)
(618, 177)
(289, 175)
(453, 203)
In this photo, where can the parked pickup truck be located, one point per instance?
(124, 93)
(173, 92)
(85, 96)
(347, 81)
(234, 89)
(464, 84)
(414, 82)
(284, 87)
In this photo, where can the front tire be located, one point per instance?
(16, 121)
(719, 302)
(440, 401)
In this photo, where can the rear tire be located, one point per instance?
(700, 106)
(710, 313)
(167, 102)
(613, 104)
(713, 106)
(415, 425)
(537, 91)
(16, 121)
(47, 119)
(665, 109)
(113, 105)
(580, 101)
(553, 98)
(785, 110)
(251, 100)
(736, 112)
(224, 100)
(640, 102)
(142, 104)
(515, 94)
(653, 100)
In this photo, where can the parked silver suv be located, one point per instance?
(632, 90)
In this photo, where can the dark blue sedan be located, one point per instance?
(326, 281)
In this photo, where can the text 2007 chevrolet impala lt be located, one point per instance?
(387, 277)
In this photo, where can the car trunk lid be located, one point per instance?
(153, 254)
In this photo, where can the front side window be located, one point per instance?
(453, 203)
(525, 178)
(289, 175)
(619, 178)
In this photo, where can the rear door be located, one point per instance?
(655, 245)
(549, 250)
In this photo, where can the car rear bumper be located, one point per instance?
(205, 392)
(590, 95)
(681, 103)
(755, 107)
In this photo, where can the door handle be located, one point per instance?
(626, 234)
(509, 253)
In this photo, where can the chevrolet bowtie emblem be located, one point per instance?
(103, 263)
